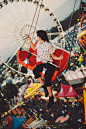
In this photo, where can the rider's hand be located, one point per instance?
(29, 37)
(61, 57)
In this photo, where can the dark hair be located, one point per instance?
(43, 35)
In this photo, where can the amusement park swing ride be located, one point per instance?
(18, 23)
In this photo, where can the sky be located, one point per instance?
(62, 8)
(13, 14)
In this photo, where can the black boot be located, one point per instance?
(50, 102)
(45, 90)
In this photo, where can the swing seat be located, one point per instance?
(61, 63)
(22, 55)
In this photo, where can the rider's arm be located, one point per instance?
(31, 43)
(56, 58)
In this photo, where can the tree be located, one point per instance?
(10, 90)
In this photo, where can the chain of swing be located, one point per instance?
(33, 21)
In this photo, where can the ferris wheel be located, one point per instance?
(18, 18)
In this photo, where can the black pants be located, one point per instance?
(48, 74)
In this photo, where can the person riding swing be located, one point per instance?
(45, 53)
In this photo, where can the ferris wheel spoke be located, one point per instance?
(16, 42)
(7, 37)
(26, 14)
(11, 14)
(7, 21)
(11, 49)
(19, 12)
(13, 54)
(7, 29)
(26, 11)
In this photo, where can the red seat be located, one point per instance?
(61, 63)
(22, 55)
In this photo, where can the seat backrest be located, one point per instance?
(22, 55)
(61, 63)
